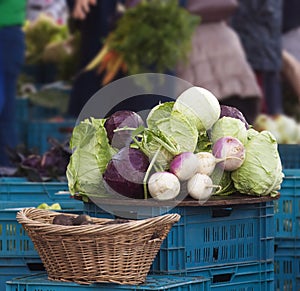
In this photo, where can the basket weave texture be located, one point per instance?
(102, 252)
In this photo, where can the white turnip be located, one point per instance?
(200, 187)
(163, 186)
(206, 163)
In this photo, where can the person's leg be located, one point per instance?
(12, 49)
(273, 93)
(93, 30)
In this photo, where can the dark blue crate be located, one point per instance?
(162, 283)
(14, 241)
(257, 276)
(18, 189)
(39, 131)
(287, 264)
(289, 155)
(287, 207)
(207, 236)
(16, 267)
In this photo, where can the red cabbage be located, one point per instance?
(233, 112)
(120, 119)
(126, 171)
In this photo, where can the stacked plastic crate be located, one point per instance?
(287, 222)
(153, 283)
(17, 254)
(232, 245)
(35, 124)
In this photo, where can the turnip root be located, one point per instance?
(184, 165)
(163, 186)
(200, 187)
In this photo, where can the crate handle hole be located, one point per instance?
(222, 278)
(215, 253)
(221, 211)
(36, 266)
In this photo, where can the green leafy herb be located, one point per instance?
(154, 36)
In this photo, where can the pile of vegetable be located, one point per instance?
(50, 42)
(49, 166)
(191, 146)
(285, 128)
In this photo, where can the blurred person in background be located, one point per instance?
(291, 58)
(12, 53)
(94, 20)
(217, 60)
(259, 24)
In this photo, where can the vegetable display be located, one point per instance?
(173, 151)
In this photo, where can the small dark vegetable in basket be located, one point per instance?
(62, 219)
(81, 219)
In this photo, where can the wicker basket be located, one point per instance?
(102, 252)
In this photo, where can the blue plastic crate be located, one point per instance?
(289, 155)
(257, 276)
(287, 264)
(14, 241)
(163, 283)
(208, 236)
(287, 207)
(40, 130)
(20, 190)
(16, 267)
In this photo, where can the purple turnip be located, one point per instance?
(184, 165)
(231, 150)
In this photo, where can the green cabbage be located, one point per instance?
(251, 132)
(91, 153)
(229, 126)
(261, 172)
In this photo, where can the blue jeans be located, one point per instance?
(12, 49)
